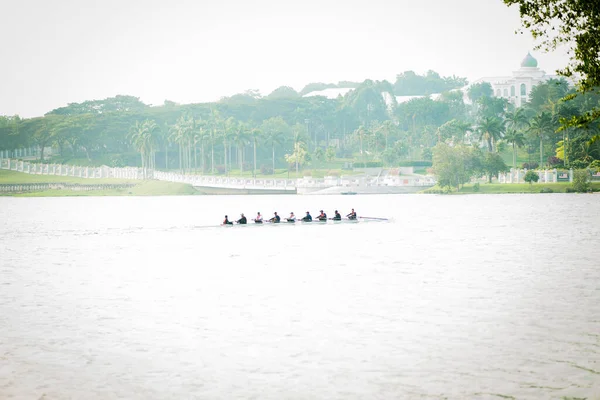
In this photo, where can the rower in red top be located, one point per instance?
(322, 216)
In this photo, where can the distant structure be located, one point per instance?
(516, 88)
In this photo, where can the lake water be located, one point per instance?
(474, 296)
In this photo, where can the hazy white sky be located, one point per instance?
(55, 52)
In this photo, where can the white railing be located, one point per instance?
(226, 182)
(27, 152)
(545, 176)
(72, 170)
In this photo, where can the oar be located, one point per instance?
(379, 219)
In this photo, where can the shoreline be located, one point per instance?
(59, 186)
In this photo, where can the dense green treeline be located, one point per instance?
(285, 130)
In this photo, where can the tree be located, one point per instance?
(143, 137)
(491, 129)
(330, 154)
(275, 130)
(42, 130)
(240, 138)
(319, 155)
(516, 139)
(454, 130)
(297, 157)
(453, 166)
(540, 126)
(493, 165)
(255, 136)
(479, 90)
(574, 24)
(531, 177)
(283, 92)
(581, 180)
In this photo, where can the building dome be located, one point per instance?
(529, 61)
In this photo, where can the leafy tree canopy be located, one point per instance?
(409, 83)
(283, 92)
(112, 104)
(574, 23)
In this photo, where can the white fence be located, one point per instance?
(546, 176)
(71, 170)
(28, 152)
(226, 182)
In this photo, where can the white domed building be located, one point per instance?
(516, 88)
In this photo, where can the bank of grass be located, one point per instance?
(14, 177)
(499, 188)
(141, 188)
(145, 188)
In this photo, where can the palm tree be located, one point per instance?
(275, 130)
(360, 132)
(517, 119)
(143, 136)
(240, 138)
(491, 129)
(255, 135)
(540, 125)
(274, 137)
(214, 125)
(517, 139)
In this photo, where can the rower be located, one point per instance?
(258, 219)
(291, 218)
(352, 214)
(275, 219)
(227, 222)
(337, 217)
(322, 216)
(242, 220)
(307, 218)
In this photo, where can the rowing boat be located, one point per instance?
(329, 221)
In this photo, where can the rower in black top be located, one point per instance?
(352, 214)
(275, 218)
(322, 216)
(307, 218)
(243, 220)
(227, 222)
(337, 217)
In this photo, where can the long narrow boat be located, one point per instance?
(329, 221)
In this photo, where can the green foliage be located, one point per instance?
(573, 24)
(493, 164)
(480, 90)
(424, 163)
(490, 129)
(283, 92)
(330, 154)
(581, 180)
(595, 165)
(531, 177)
(454, 166)
(368, 164)
(546, 190)
(410, 84)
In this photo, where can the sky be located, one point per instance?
(188, 51)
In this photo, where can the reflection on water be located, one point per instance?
(455, 297)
